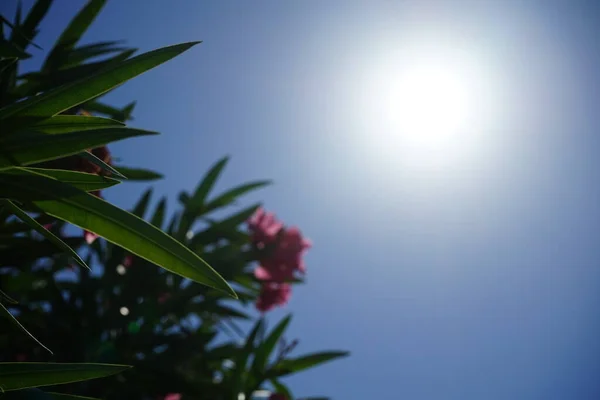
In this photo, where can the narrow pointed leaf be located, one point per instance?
(239, 372)
(99, 163)
(266, 348)
(68, 96)
(25, 33)
(15, 376)
(4, 311)
(79, 55)
(9, 50)
(45, 81)
(293, 365)
(195, 203)
(23, 216)
(73, 32)
(74, 123)
(142, 205)
(115, 225)
(138, 174)
(80, 180)
(62, 396)
(33, 147)
(105, 109)
(127, 110)
(159, 214)
(229, 196)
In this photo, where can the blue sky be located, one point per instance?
(479, 279)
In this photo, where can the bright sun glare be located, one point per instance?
(425, 104)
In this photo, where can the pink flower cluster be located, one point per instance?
(282, 258)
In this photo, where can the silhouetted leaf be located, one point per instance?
(14, 376)
(4, 311)
(138, 174)
(23, 216)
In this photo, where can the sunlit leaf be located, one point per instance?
(115, 225)
(80, 180)
(74, 123)
(68, 96)
(33, 147)
(107, 168)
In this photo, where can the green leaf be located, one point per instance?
(225, 227)
(7, 314)
(138, 174)
(73, 32)
(266, 348)
(140, 208)
(195, 203)
(239, 372)
(101, 164)
(47, 80)
(115, 225)
(74, 123)
(14, 376)
(23, 216)
(71, 95)
(83, 53)
(61, 396)
(127, 110)
(293, 365)
(10, 50)
(229, 196)
(27, 31)
(159, 214)
(80, 180)
(105, 109)
(33, 147)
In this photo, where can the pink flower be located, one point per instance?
(263, 227)
(272, 295)
(90, 237)
(286, 258)
(173, 396)
(277, 396)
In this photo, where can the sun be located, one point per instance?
(424, 104)
(429, 102)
